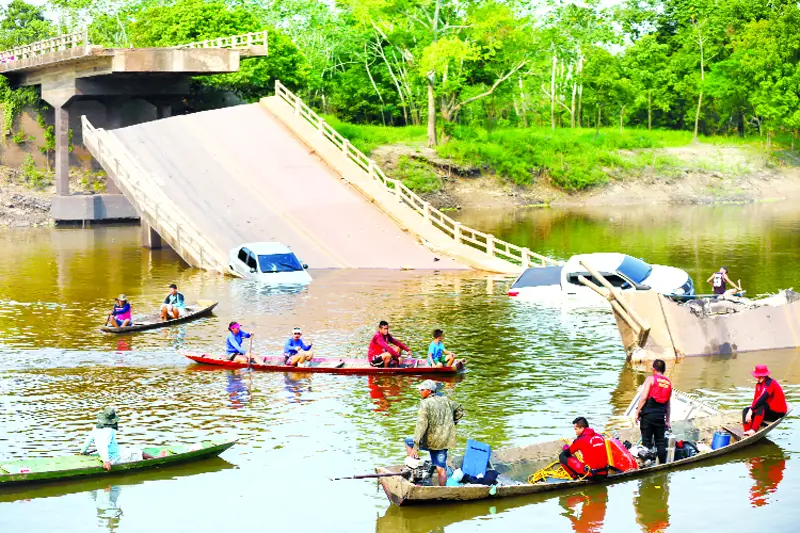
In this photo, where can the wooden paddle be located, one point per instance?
(250, 352)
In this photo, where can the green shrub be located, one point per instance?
(35, 178)
(417, 176)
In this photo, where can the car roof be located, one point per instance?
(261, 248)
(604, 262)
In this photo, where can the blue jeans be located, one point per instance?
(438, 457)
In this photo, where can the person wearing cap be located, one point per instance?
(719, 282)
(769, 402)
(104, 438)
(121, 315)
(436, 428)
(233, 343)
(380, 352)
(174, 305)
(295, 351)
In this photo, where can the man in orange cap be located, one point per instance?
(769, 403)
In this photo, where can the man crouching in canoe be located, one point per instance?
(592, 446)
(436, 428)
(233, 344)
(104, 437)
(380, 352)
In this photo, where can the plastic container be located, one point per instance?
(671, 446)
(476, 458)
(720, 440)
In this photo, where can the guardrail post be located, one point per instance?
(457, 232)
(490, 245)
(526, 258)
(426, 212)
(321, 127)
(297, 106)
(346, 148)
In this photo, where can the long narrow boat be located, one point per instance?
(80, 466)
(517, 464)
(329, 365)
(200, 309)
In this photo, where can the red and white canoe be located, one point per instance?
(329, 365)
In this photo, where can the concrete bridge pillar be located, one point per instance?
(62, 150)
(150, 238)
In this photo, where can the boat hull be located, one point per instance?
(401, 492)
(154, 321)
(82, 466)
(328, 365)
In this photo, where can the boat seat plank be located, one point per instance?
(735, 432)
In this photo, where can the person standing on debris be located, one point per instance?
(653, 411)
(436, 428)
(720, 281)
(769, 402)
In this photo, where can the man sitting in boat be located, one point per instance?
(592, 446)
(174, 306)
(769, 402)
(653, 411)
(380, 353)
(104, 437)
(121, 315)
(233, 343)
(719, 282)
(436, 428)
(295, 351)
(438, 356)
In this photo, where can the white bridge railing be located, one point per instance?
(150, 201)
(461, 234)
(76, 39)
(246, 40)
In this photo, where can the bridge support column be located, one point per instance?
(62, 150)
(163, 110)
(150, 238)
(113, 121)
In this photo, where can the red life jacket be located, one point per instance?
(660, 389)
(776, 400)
(593, 448)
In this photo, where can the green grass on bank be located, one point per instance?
(572, 159)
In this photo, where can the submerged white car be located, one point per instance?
(269, 262)
(623, 271)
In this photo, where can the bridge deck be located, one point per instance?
(240, 176)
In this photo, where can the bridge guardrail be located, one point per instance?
(150, 201)
(461, 234)
(56, 44)
(245, 40)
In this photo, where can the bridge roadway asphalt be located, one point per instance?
(241, 176)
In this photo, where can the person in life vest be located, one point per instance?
(719, 282)
(769, 403)
(592, 446)
(653, 410)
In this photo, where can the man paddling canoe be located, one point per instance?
(769, 402)
(233, 344)
(121, 315)
(381, 353)
(104, 437)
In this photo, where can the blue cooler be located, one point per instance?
(721, 439)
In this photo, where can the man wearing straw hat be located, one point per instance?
(769, 402)
(121, 315)
(104, 437)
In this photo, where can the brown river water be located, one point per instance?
(531, 371)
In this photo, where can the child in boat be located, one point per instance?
(104, 437)
(121, 315)
(295, 351)
(437, 355)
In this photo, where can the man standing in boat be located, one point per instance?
(592, 446)
(720, 281)
(174, 305)
(653, 411)
(381, 353)
(769, 402)
(436, 428)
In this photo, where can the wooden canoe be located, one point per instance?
(200, 309)
(80, 466)
(516, 464)
(329, 365)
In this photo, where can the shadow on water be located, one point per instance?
(586, 508)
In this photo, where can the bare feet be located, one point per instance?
(749, 432)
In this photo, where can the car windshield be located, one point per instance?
(634, 269)
(279, 263)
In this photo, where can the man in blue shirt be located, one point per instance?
(295, 351)
(174, 306)
(233, 344)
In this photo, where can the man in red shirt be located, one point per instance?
(381, 352)
(769, 403)
(592, 446)
(653, 410)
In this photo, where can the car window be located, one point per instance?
(279, 263)
(251, 260)
(614, 279)
(243, 255)
(635, 269)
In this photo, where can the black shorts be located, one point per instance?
(376, 360)
(232, 356)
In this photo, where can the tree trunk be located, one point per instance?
(702, 82)
(553, 93)
(580, 91)
(649, 110)
(572, 108)
(597, 123)
(769, 140)
(523, 104)
(431, 116)
(621, 118)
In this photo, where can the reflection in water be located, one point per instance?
(766, 472)
(296, 384)
(652, 503)
(586, 510)
(384, 390)
(239, 391)
(109, 513)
